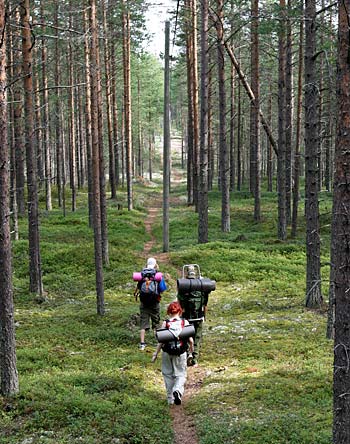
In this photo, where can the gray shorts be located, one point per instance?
(149, 313)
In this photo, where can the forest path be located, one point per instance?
(183, 425)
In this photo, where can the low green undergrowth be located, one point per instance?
(265, 361)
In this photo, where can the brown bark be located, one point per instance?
(127, 103)
(313, 265)
(289, 113)
(194, 79)
(281, 157)
(203, 176)
(12, 137)
(296, 172)
(255, 153)
(46, 117)
(33, 212)
(88, 115)
(223, 150)
(59, 165)
(8, 367)
(72, 117)
(96, 163)
(107, 62)
(19, 127)
(341, 235)
(190, 116)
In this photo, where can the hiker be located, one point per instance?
(174, 365)
(149, 288)
(194, 305)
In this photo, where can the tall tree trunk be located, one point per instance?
(46, 116)
(72, 112)
(268, 143)
(289, 113)
(239, 133)
(88, 115)
(190, 118)
(12, 137)
(255, 160)
(296, 172)
(19, 129)
(210, 132)
(36, 285)
(127, 102)
(341, 236)
(224, 153)
(313, 264)
(166, 140)
(194, 78)
(58, 113)
(8, 367)
(107, 60)
(103, 202)
(203, 176)
(96, 162)
(116, 143)
(281, 158)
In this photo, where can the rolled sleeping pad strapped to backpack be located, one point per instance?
(204, 284)
(137, 276)
(164, 335)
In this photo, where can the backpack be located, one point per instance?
(149, 294)
(177, 346)
(192, 304)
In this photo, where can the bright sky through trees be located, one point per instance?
(157, 14)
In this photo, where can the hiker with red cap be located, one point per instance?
(174, 339)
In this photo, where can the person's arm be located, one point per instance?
(191, 349)
(158, 348)
(155, 354)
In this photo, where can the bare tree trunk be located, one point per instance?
(127, 102)
(115, 119)
(107, 60)
(211, 167)
(38, 139)
(12, 136)
(255, 160)
(281, 158)
(268, 144)
(289, 113)
(296, 175)
(166, 140)
(71, 105)
(103, 202)
(224, 154)
(341, 223)
(58, 113)
(194, 77)
(96, 162)
(18, 129)
(203, 176)
(313, 265)
(88, 114)
(239, 134)
(8, 367)
(46, 117)
(190, 118)
(36, 285)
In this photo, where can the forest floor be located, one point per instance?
(183, 425)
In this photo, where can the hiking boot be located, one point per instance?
(190, 360)
(177, 397)
(142, 345)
